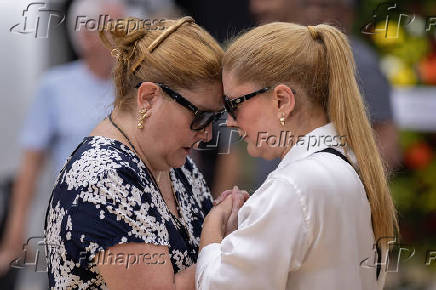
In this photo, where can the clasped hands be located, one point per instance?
(226, 208)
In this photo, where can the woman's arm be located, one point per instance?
(272, 238)
(223, 218)
(142, 266)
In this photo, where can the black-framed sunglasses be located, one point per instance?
(202, 119)
(231, 105)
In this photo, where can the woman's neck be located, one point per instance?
(126, 122)
(312, 121)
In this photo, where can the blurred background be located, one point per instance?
(55, 86)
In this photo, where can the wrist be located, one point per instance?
(213, 228)
(215, 215)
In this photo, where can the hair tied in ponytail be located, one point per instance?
(314, 32)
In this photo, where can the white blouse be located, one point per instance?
(307, 227)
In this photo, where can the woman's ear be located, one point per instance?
(147, 93)
(284, 99)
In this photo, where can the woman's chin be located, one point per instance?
(260, 152)
(253, 150)
(179, 160)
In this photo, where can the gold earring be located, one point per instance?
(143, 114)
(282, 120)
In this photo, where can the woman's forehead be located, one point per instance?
(207, 97)
(233, 88)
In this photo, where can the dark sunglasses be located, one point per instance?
(202, 119)
(231, 105)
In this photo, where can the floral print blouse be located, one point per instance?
(105, 196)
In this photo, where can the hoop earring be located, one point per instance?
(143, 114)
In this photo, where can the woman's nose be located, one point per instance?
(207, 133)
(230, 122)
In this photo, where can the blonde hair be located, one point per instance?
(178, 53)
(319, 60)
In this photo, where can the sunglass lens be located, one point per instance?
(202, 120)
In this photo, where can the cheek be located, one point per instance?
(254, 120)
(174, 128)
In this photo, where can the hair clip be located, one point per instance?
(115, 52)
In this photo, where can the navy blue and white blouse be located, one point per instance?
(105, 196)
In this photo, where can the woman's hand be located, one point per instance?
(226, 193)
(223, 218)
(238, 199)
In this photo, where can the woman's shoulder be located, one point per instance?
(319, 170)
(104, 179)
(320, 181)
(105, 152)
(98, 157)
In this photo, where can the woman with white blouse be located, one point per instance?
(316, 220)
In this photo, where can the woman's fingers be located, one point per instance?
(237, 200)
(222, 196)
(228, 192)
(228, 205)
(245, 195)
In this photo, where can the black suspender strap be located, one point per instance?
(335, 152)
(340, 155)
